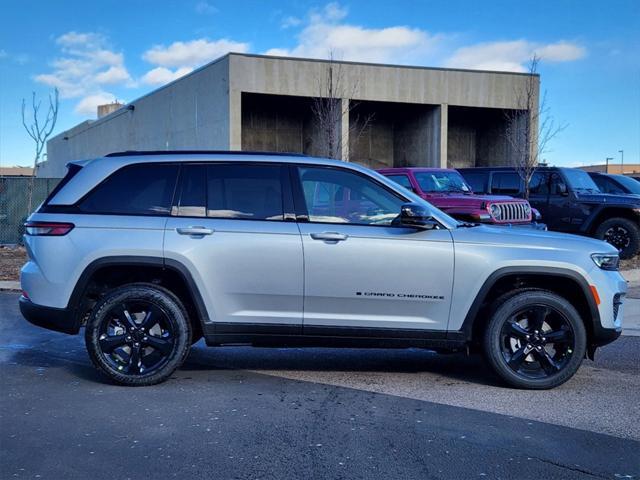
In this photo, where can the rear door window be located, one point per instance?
(142, 189)
(241, 191)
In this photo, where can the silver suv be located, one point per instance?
(150, 251)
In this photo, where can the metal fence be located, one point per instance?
(14, 204)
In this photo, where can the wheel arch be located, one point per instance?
(607, 212)
(567, 283)
(109, 272)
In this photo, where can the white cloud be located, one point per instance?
(162, 75)
(205, 8)
(325, 32)
(513, 55)
(89, 104)
(179, 58)
(290, 21)
(561, 52)
(193, 53)
(86, 64)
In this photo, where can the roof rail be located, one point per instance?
(128, 153)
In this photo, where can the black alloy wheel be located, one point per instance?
(137, 337)
(138, 334)
(537, 341)
(534, 339)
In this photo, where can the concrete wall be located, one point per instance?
(191, 113)
(397, 135)
(476, 137)
(204, 110)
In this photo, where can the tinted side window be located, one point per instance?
(143, 189)
(338, 196)
(505, 183)
(539, 184)
(252, 192)
(607, 185)
(192, 198)
(477, 181)
(401, 180)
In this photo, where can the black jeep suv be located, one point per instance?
(569, 201)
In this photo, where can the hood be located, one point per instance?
(609, 198)
(531, 239)
(444, 200)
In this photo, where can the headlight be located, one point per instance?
(527, 209)
(606, 261)
(496, 211)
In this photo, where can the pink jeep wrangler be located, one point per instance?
(447, 190)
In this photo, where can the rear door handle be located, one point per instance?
(194, 231)
(333, 237)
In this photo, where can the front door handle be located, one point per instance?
(332, 237)
(194, 231)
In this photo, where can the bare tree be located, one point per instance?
(530, 127)
(39, 130)
(333, 105)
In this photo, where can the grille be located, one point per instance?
(617, 301)
(513, 212)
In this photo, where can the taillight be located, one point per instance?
(48, 229)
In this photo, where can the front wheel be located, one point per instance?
(138, 334)
(535, 340)
(622, 233)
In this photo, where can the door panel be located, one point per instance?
(247, 271)
(378, 277)
(361, 270)
(228, 227)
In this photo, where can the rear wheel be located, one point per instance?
(622, 234)
(138, 334)
(535, 340)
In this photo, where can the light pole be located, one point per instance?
(621, 152)
(607, 160)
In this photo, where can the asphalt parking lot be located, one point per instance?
(240, 412)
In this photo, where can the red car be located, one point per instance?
(447, 190)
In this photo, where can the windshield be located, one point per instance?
(579, 180)
(442, 182)
(629, 183)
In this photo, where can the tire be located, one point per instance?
(553, 350)
(138, 334)
(622, 233)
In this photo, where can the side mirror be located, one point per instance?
(414, 215)
(561, 189)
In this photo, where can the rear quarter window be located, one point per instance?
(142, 189)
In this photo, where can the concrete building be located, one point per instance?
(418, 116)
(629, 169)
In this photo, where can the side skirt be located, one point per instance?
(263, 335)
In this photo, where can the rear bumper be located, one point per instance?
(57, 319)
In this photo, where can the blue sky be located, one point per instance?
(96, 51)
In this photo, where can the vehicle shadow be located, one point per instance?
(457, 367)
(68, 353)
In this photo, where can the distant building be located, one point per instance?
(630, 169)
(419, 116)
(16, 171)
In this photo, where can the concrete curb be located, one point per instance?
(9, 286)
(631, 276)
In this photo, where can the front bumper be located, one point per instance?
(57, 319)
(532, 225)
